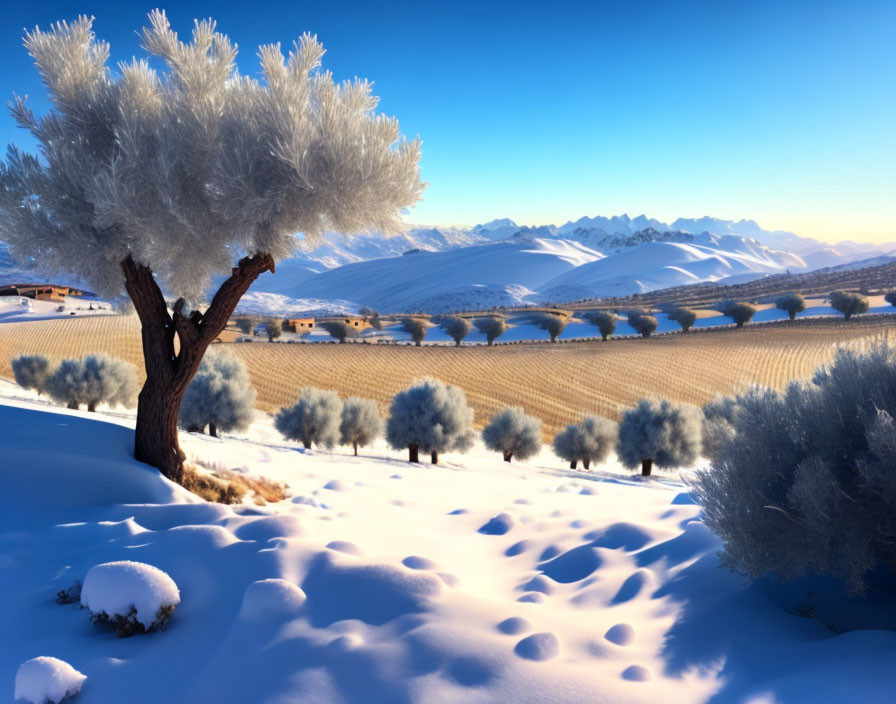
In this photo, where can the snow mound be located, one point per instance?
(271, 598)
(46, 680)
(130, 592)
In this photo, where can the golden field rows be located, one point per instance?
(557, 383)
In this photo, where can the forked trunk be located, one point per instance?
(169, 371)
(413, 453)
(434, 456)
(508, 456)
(646, 467)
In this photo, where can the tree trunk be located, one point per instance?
(168, 373)
(413, 453)
(434, 456)
(573, 464)
(586, 464)
(508, 456)
(74, 405)
(418, 343)
(355, 446)
(646, 467)
(91, 407)
(792, 315)
(213, 430)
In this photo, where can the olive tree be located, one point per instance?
(273, 329)
(791, 303)
(432, 417)
(98, 378)
(590, 440)
(492, 326)
(220, 395)
(416, 328)
(741, 313)
(660, 433)
(552, 323)
(605, 322)
(360, 423)
(158, 175)
(313, 419)
(513, 433)
(849, 304)
(244, 325)
(684, 317)
(890, 297)
(31, 371)
(456, 327)
(338, 329)
(643, 323)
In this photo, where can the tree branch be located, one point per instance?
(157, 327)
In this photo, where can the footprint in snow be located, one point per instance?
(621, 634)
(514, 625)
(538, 647)
(415, 562)
(636, 673)
(345, 546)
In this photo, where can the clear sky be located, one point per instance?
(783, 112)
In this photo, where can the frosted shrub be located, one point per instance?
(740, 313)
(807, 483)
(660, 433)
(130, 597)
(432, 417)
(457, 328)
(31, 371)
(338, 329)
(791, 303)
(244, 325)
(605, 321)
(513, 434)
(220, 396)
(313, 419)
(590, 440)
(416, 328)
(643, 323)
(361, 423)
(718, 423)
(95, 379)
(273, 329)
(849, 304)
(553, 323)
(684, 317)
(46, 680)
(492, 326)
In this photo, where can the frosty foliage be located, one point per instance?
(313, 419)
(244, 325)
(456, 328)
(553, 323)
(849, 304)
(643, 323)
(660, 433)
(44, 680)
(718, 423)
(492, 326)
(416, 328)
(188, 166)
(590, 440)
(432, 416)
(514, 434)
(684, 317)
(31, 371)
(219, 396)
(807, 482)
(132, 597)
(338, 329)
(361, 423)
(890, 297)
(605, 321)
(791, 303)
(273, 329)
(741, 313)
(98, 378)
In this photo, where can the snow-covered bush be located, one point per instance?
(432, 417)
(220, 396)
(643, 323)
(361, 422)
(131, 597)
(791, 303)
(849, 304)
(807, 484)
(513, 433)
(338, 329)
(605, 321)
(684, 317)
(718, 423)
(456, 327)
(95, 379)
(741, 313)
(492, 326)
(31, 371)
(552, 323)
(416, 328)
(46, 680)
(313, 419)
(590, 440)
(660, 433)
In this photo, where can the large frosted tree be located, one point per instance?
(152, 181)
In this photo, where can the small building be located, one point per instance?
(301, 324)
(357, 323)
(40, 292)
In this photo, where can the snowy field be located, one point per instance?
(16, 309)
(381, 581)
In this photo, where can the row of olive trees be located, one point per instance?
(95, 379)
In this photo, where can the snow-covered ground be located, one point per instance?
(14, 309)
(377, 581)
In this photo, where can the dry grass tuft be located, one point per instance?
(224, 486)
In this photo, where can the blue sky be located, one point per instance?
(783, 112)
